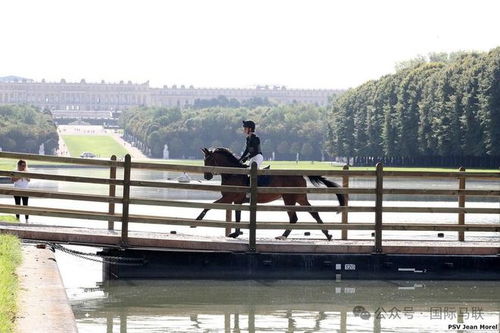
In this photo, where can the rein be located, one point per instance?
(213, 160)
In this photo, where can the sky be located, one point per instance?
(234, 43)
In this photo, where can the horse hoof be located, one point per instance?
(233, 235)
(280, 238)
(329, 237)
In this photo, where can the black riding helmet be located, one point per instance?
(249, 124)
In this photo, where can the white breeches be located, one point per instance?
(257, 159)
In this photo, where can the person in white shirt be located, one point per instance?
(21, 183)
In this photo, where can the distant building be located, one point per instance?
(67, 98)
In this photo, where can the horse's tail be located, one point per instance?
(317, 180)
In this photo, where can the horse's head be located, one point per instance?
(209, 161)
(220, 157)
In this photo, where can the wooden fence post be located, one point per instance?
(379, 187)
(253, 208)
(228, 219)
(345, 184)
(112, 193)
(461, 204)
(126, 198)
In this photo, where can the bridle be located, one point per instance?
(213, 160)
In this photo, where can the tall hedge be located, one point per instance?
(446, 107)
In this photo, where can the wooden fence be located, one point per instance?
(345, 225)
(485, 162)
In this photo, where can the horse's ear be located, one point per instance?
(205, 151)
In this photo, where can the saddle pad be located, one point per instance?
(261, 181)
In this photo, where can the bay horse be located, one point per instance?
(222, 157)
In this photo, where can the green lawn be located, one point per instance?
(101, 145)
(7, 164)
(8, 218)
(10, 258)
(308, 165)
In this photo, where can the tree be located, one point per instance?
(306, 150)
(448, 106)
(221, 126)
(24, 128)
(295, 148)
(282, 148)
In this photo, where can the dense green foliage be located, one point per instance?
(24, 128)
(285, 130)
(449, 105)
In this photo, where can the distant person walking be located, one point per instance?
(252, 152)
(21, 183)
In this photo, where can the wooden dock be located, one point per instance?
(165, 241)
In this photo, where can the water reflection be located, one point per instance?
(288, 306)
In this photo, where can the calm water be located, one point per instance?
(271, 306)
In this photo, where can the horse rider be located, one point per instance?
(252, 152)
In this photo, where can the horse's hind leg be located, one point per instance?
(302, 200)
(289, 201)
(238, 200)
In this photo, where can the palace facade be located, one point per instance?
(67, 97)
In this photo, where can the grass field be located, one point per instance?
(6, 164)
(10, 258)
(101, 145)
(308, 165)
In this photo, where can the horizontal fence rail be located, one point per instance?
(216, 188)
(480, 193)
(325, 190)
(346, 224)
(59, 195)
(439, 174)
(75, 179)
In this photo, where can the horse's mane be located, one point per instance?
(230, 156)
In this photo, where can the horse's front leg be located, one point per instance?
(200, 217)
(237, 231)
(204, 212)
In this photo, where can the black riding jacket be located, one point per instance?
(252, 148)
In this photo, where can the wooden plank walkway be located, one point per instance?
(166, 241)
